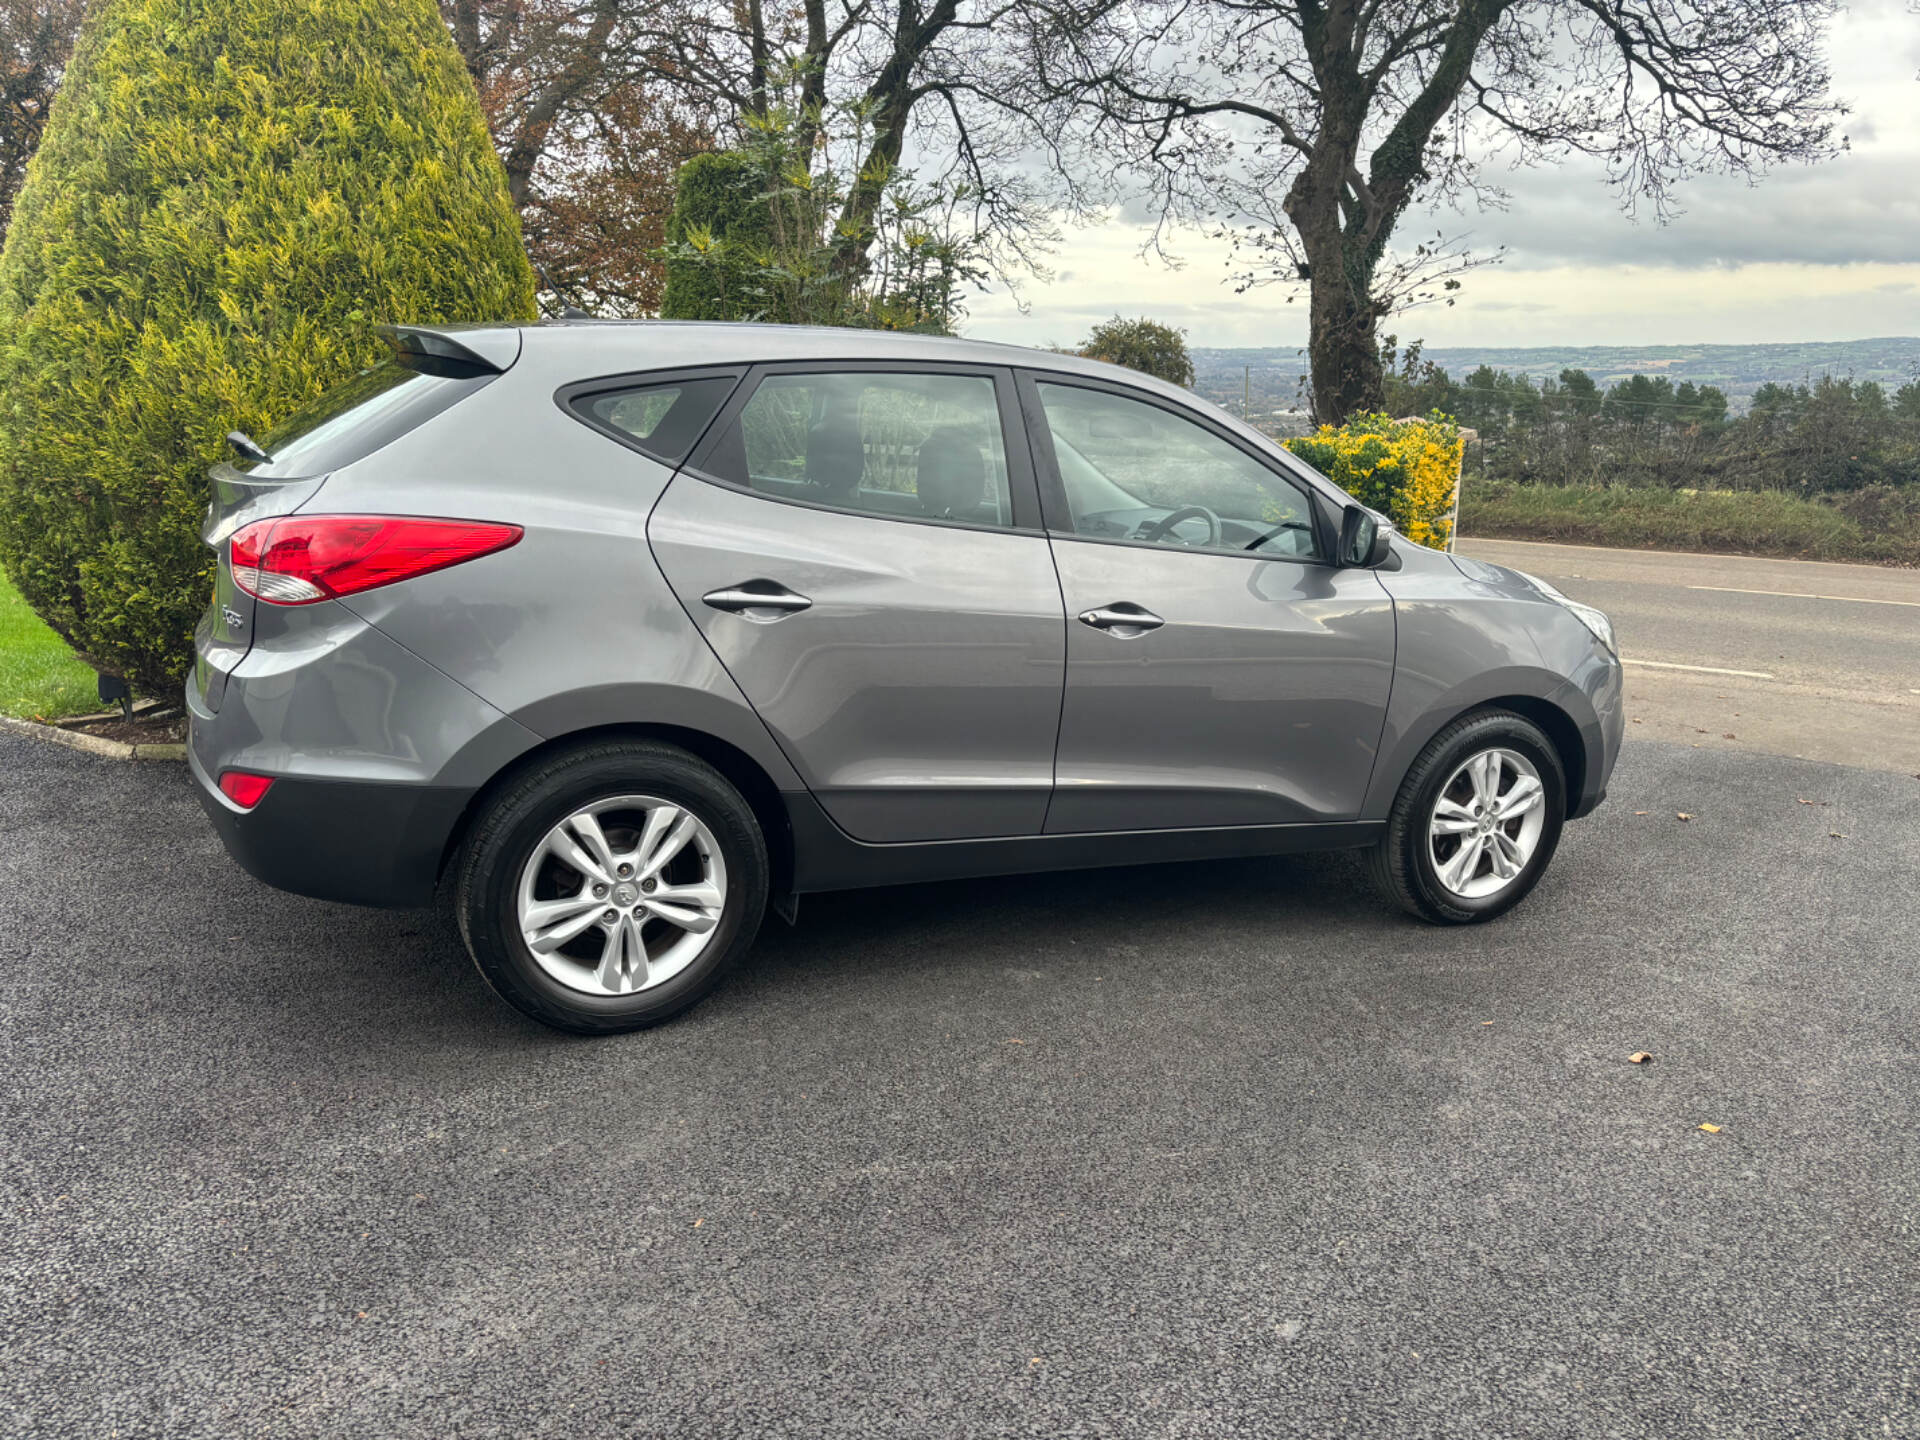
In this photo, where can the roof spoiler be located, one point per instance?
(457, 352)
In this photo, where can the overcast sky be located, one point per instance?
(1830, 252)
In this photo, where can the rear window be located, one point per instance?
(357, 417)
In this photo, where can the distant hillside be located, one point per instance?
(1223, 376)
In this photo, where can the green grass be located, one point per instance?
(39, 677)
(1753, 522)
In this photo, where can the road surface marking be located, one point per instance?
(1803, 595)
(1701, 669)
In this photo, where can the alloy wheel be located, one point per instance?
(621, 895)
(1486, 823)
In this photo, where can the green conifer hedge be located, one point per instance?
(228, 196)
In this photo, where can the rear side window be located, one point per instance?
(356, 417)
(908, 446)
(663, 420)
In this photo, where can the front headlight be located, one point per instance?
(1594, 620)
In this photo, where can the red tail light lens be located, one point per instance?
(301, 559)
(243, 789)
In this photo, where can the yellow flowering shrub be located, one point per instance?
(1402, 468)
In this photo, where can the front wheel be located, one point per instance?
(611, 887)
(1476, 821)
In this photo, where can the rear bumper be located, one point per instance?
(374, 755)
(356, 841)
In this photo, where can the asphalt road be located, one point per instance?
(1733, 652)
(1184, 1151)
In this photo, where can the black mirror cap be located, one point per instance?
(1363, 544)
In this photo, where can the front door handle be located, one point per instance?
(761, 600)
(1123, 619)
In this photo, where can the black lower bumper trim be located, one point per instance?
(360, 842)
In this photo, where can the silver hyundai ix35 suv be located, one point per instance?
(611, 634)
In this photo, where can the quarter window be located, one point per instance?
(1135, 471)
(663, 421)
(924, 447)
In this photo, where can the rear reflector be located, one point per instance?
(243, 789)
(300, 559)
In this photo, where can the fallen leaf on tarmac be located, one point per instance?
(698, 1223)
(1016, 1042)
(1711, 1129)
(1486, 1022)
(1683, 815)
(1642, 812)
(1835, 834)
(1639, 1057)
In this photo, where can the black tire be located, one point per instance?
(1402, 862)
(487, 869)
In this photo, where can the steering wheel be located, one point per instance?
(1156, 530)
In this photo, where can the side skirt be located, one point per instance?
(827, 858)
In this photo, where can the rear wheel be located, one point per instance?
(1476, 821)
(611, 887)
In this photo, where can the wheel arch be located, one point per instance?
(735, 765)
(1556, 710)
(1559, 727)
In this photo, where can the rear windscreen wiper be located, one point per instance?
(248, 447)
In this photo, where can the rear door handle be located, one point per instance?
(762, 600)
(1123, 619)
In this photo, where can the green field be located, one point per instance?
(39, 677)
(1750, 522)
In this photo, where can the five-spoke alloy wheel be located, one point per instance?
(1476, 820)
(610, 887)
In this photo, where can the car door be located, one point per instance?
(863, 550)
(1219, 670)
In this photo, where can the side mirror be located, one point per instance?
(1363, 544)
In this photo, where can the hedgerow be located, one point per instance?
(227, 198)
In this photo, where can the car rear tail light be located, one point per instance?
(243, 789)
(301, 559)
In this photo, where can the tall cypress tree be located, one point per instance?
(227, 198)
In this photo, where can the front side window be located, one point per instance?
(909, 446)
(1135, 471)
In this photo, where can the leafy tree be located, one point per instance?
(1310, 128)
(1143, 345)
(720, 220)
(36, 36)
(226, 198)
(937, 70)
(592, 128)
(1640, 399)
(1582, 393)
(757, 232)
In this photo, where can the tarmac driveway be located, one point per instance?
(1193, 1150)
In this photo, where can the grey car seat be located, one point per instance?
(951, 475)
(836, 459)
